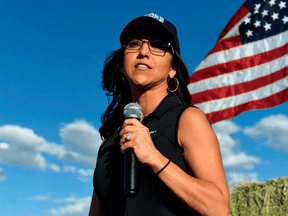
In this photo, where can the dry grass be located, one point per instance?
(248, 180)
(238, 183)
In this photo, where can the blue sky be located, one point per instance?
(51, 101)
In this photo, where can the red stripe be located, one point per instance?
(242, 12)
(228, 91)
(268, 102)
(238, 64)
(226, 44)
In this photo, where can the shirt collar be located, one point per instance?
(166, 104)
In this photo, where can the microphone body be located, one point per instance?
(131, 176)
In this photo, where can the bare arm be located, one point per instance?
(207, 191)
(96, 208)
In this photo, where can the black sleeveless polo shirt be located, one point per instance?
(154, 197)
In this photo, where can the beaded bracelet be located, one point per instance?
(163, 168)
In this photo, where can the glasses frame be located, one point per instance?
(148, 42)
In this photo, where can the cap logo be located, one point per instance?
(155, 16)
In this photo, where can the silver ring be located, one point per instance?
(128, 136)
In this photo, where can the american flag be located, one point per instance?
(248, 67)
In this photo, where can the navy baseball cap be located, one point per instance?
(153, 19)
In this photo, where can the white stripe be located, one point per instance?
(217, 105)
(235, 31)
(241, 76)
(249, 49)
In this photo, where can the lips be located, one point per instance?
(142, 66)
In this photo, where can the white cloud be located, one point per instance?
(274, 128)
(227, 127)
(4, 145)
(2, 175)
(71, 198)
(77, 206)
(73, 206)
(22, 147)
(25, 147)
(55, 168)
(240, 161)
(18, 157)
(41, 198)
(69, 169)
(88, 172)
(234, 160)
(25, 139)
(82, 159)
(85, 175)
(82, 141)
(83, 179)
(231, 159)
(81, 137)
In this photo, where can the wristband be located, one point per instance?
(163, 168)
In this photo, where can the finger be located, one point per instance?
(124, 139)
(122, 149)
(126, 146)
(122, 132)
(126, 129)
(131, 121)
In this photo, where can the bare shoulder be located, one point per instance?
(193, 119)
(194, 129)
(193, 113)
(201, 149)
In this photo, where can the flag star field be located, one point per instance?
(264, 20)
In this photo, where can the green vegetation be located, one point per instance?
(253, 198)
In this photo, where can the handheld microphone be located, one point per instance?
(131, 176)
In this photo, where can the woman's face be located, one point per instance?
(144, 70)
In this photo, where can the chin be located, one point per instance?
(140, 86)
(140, 81)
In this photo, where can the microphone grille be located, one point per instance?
(133, 110)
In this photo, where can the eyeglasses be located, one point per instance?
(156, 47)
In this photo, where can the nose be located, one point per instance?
(144, 50)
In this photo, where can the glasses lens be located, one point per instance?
(133, 44)
(159, 46)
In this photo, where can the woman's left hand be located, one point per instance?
(140, 141)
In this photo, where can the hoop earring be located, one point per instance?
(176, 87)
(124, 81)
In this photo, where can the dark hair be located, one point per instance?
(113, 83)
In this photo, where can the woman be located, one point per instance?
(180, 165)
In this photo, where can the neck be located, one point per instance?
(149, 100)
